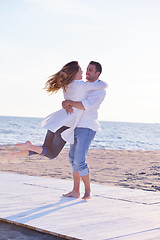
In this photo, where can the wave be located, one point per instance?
(113, 135)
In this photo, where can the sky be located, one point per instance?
(38, 37)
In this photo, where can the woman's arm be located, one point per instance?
(98, 84)
(68, 105)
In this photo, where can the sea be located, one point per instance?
(112, 135)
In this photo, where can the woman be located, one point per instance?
(61, 125)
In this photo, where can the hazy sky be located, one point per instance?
(38, 37)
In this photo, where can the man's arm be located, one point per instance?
(69, 104)
(92, 100)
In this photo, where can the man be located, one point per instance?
(84, 132)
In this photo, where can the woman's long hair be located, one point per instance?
(62, 78)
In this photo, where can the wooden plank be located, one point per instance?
(112, 212)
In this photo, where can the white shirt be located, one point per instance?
(76, 91)
(91, 104)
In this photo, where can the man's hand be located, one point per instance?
(66, 105)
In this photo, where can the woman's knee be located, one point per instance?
(49, 153)
(53, 155)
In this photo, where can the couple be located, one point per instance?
(76, 123)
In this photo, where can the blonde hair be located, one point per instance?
(62, 78)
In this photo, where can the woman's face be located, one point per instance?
(79, 74)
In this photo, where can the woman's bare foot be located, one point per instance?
(25, 145)
(11, 157)
(86, 196)
(72, 194)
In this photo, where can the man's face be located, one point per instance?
(91, 74)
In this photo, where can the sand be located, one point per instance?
(13, 232)
(125, 168)
(133, 169)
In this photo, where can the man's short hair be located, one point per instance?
(97, 65)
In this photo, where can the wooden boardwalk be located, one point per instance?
(111, 213)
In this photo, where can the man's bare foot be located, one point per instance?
(72, 194)
(25, 145)
(86, 196)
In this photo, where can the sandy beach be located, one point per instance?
(13, 232)
(125, 168)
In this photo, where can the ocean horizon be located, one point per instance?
(112, 135)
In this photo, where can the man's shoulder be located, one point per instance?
(98, 93)
(103, 82)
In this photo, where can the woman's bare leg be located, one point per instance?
(30, 147)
